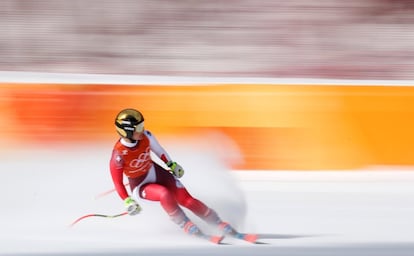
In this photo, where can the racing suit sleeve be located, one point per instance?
(117, 174)
(156, 147)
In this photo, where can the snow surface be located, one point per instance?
(365, 212)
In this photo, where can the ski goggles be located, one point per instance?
(139, 127)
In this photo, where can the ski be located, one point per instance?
(211, 238)
(228, 230)
(251, 238)
(217, 239)
(192, 229)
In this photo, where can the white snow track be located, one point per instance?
(365, 212)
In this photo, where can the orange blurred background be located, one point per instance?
(289, 127)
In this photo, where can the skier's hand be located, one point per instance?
(131, 206)
(176, 169)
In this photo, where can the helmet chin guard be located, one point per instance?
(128, 121)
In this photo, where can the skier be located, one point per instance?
(148, 180)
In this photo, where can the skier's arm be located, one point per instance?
(156, 147)
(117, 175)
(160, 152)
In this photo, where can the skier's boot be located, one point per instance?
(190, 228)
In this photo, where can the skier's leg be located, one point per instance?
(185, 199)
(180, 193)
(157, 192)
(200, 209)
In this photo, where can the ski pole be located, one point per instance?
(107, 192)
(97, 215)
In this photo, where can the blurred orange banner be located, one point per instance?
(287, 127)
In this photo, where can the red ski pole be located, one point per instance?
(107, 192)
(97, 215)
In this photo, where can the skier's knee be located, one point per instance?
(165, 195)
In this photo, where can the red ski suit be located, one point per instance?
(147, 179)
